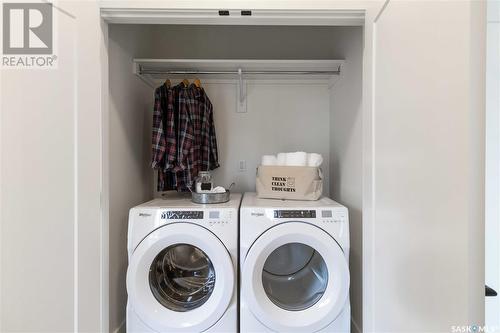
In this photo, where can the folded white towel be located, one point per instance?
(314, 160)
(298, 158)
(281, 159)
(269, 160)
(218, 189)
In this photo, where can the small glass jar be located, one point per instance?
(204, 182)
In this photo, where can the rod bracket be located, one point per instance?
(241, 99)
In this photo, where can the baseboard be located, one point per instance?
(354, 325)
(120, 328)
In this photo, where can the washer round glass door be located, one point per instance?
(180, 278)
(295, 278)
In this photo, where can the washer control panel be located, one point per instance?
(211, 217)
(182, 215)
(217, 217)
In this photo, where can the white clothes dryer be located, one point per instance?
(182, 273)
(294, 268)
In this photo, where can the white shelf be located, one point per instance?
(151, 70)
(158, 67)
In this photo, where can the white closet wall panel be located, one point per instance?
(50, 183)
(130, 173)
(38, 184)
(429, 168)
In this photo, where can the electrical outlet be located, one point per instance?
(242, 165)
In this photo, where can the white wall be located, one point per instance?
(346, 152)
(130, 175)
(50, 183)
(37, 241)
(279, 117)
(248, 42)
(426, 257)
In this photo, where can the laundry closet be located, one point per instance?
(273, 89)
(401, 128)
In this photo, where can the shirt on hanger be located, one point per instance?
(184, 140)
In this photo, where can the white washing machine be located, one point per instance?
(182, 274)
(294, 259)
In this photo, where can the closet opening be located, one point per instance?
(273, 89)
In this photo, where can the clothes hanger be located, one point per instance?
(197, 83)
(185, 82)
(167, 83)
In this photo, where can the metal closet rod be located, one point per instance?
(177, 72)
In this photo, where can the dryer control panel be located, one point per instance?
(335, 216)
(294, 214)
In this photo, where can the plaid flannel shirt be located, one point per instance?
(184, 139)
(164, 145)
(164, 138)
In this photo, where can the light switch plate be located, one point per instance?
(242, 165)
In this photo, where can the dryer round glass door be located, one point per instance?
(295, 278)
(180, 279)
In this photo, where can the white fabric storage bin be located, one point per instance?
(289, 182)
